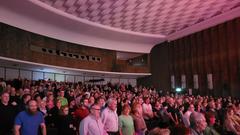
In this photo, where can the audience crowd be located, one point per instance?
(62, 108)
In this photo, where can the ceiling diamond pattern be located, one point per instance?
(145, 16)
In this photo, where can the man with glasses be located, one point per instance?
(92, 124)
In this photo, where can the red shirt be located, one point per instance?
(81, 113)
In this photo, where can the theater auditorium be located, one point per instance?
(119, 67)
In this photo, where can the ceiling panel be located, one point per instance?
(146, 16)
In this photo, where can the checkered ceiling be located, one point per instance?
(146, 16)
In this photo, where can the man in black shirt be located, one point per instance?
(7, 115)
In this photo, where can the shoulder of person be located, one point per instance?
(40, 113)
(22, 114)
(106, 110)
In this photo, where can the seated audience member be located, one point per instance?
(164, 116)
(231, 126)
(92, 124)
(156, 114)
(7, 115)
(110, 118)
(139, 123)
(180, 113)
(220, 113)
(237, 109)
(197, 123)
(159, 131)
(126, 126)
(210, 130)
(66, 124)
(198, 107)
(27, 122)
(190, 109)
(172, 111)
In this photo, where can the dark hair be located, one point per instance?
(25, 96)
(36, 96)
(186, 106)
(145, 98)
(61, 110)
(4, 92)
(209, 115)
(30, 101)
(82, 100)
(164, 104)
(98, 99)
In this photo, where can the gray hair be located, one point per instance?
(195, 117)
(110, 100)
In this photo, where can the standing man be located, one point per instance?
(110, 117)
(92, 124)
(27, 122)
(7, 115)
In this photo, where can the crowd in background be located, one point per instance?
(62, 108)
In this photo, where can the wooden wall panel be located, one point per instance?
(215, 62)
(213, 51)
(187, 64)
(232, 56)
